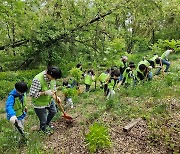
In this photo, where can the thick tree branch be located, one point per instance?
(15, 44)
(62, 36)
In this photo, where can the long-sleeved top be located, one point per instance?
(166, 54)
(10, 104)
(36, 86)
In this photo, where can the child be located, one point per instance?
(16, 106)
(67, 93)
(122, 67)
(155, 56)
(144, 70)
(129, 75)
(88, 78)
(103, 77)
(112, 83)
(79, 66)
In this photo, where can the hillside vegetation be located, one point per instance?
(95, 33)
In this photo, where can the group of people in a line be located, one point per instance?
(127, 74)
(43, 88)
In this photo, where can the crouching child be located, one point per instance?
(112, 83)
(103, 77)
(16, 106)
(67, 91)
(129, 76)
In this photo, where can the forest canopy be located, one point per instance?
(52, 32)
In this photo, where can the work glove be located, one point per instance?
(59, 99)
(48, 92)
(13, 119)
(150, 67)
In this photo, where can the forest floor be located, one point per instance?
(70, 138)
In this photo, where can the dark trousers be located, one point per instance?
(164, 62)
(87, 87)
(44, 117)
(106, 90)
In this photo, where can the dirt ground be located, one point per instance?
(69, 139)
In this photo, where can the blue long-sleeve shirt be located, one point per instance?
(10, 104)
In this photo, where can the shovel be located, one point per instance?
(65, 116)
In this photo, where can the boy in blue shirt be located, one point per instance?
(16, 106)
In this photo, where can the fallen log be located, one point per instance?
(131, 124)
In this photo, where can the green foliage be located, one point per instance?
(8, 80)
(159, 109)
(70, 92)
(141, 44)
(8, 138)
(93, 116)
(115, 46)
(110, 104)
(97, 137)
(11, 140)
(76, 73)
(161, 44)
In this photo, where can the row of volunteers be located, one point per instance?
(43, 88)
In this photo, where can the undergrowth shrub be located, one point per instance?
(97, 137)
(110, 104)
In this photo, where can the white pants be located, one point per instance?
(69, 102)
(111, 93)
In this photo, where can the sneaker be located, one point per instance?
(50, 126)
(49, 130)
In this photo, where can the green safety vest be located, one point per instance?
(145, 62)
(111, 84)
(45, 99)
(88, 79)
(20, 106)
(154, 58)
(118, 63)
(128, 79)
(163, 56)
(141, 62)
(103, 77)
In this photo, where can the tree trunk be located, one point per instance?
(13, 39)
(153, 37)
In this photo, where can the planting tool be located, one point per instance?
(67, 117)
(20, 130)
